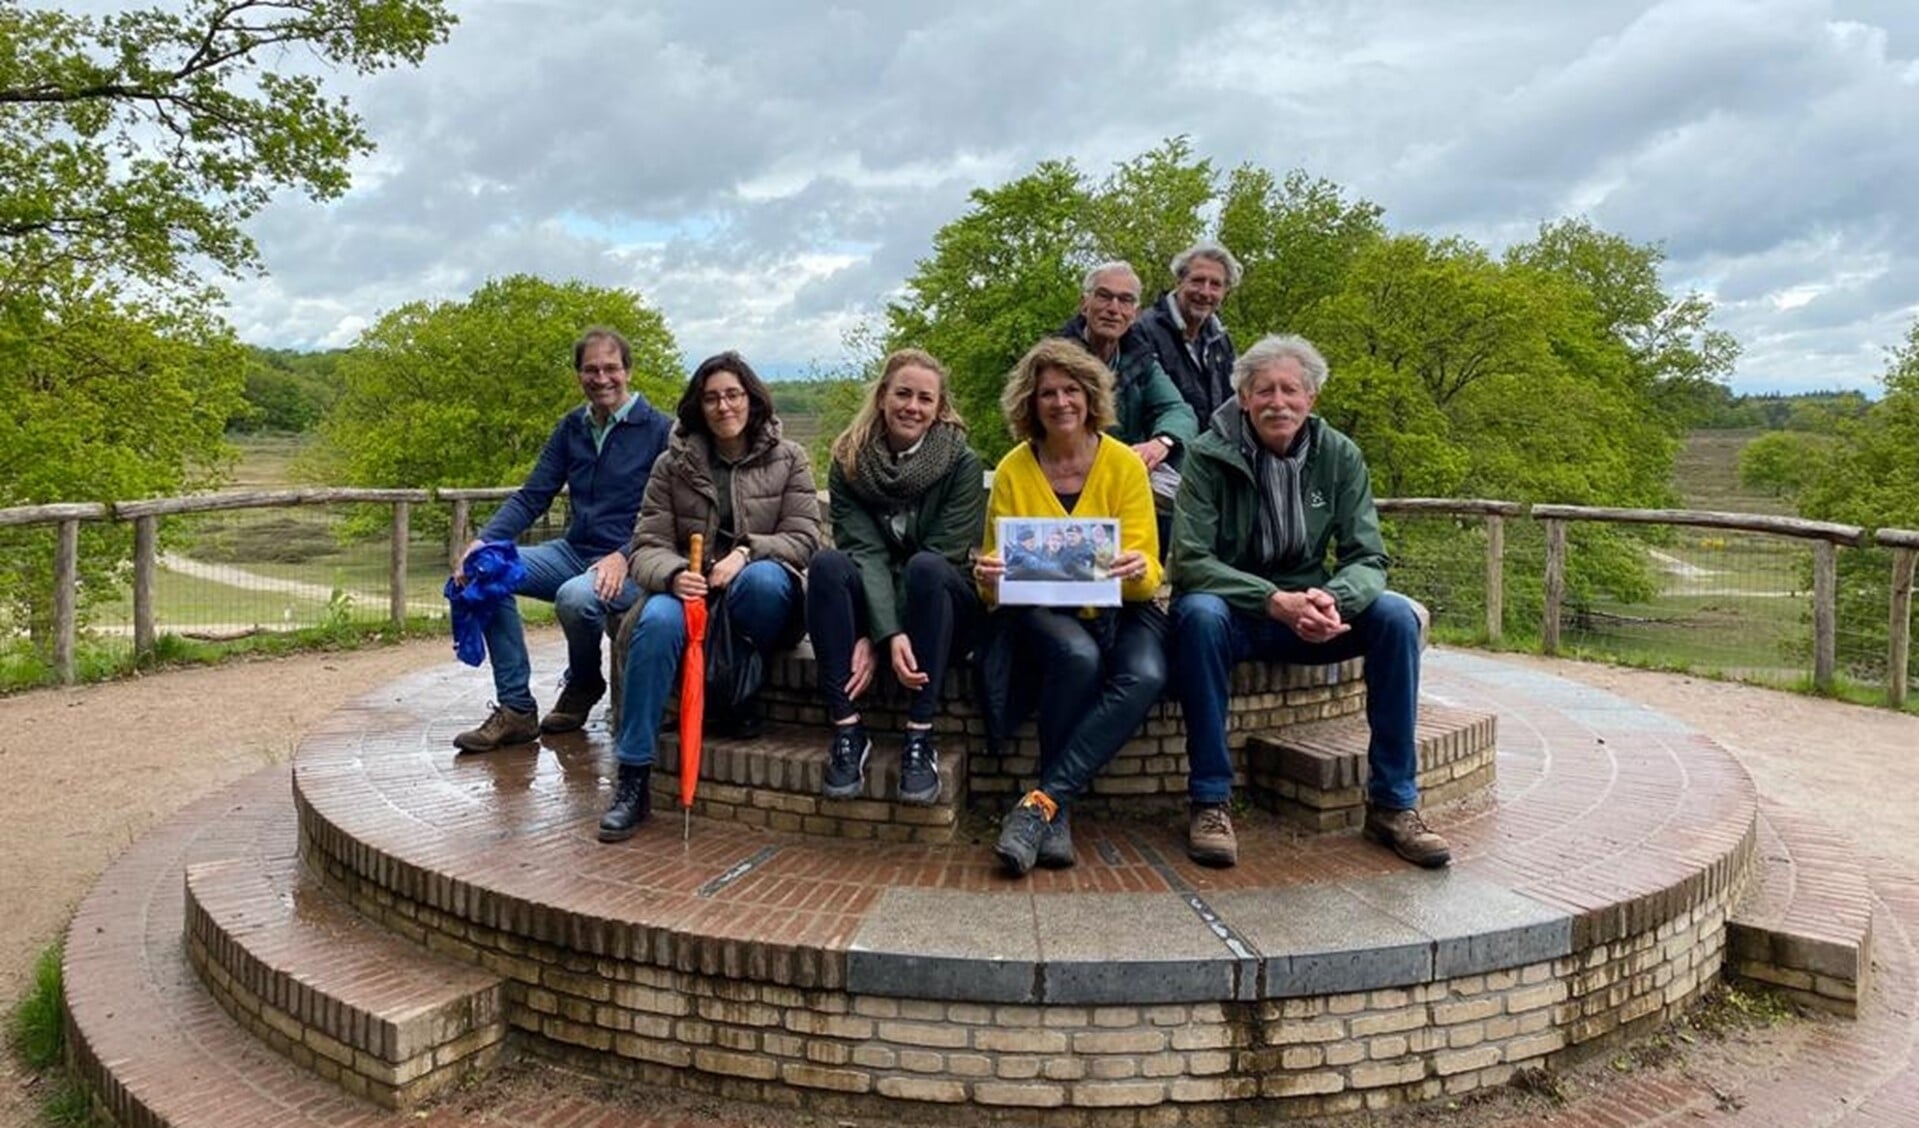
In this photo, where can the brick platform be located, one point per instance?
(1321, 975)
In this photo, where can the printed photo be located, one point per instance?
(1059, 561)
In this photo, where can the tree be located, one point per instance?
(1676, 355)
(136, 142)
(465, 393)
(1001, 277)
(102, 402)
(1296, 236)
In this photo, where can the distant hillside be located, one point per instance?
(1706, 474)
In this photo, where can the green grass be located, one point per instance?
(34, 1028)
(37, 1034)
(1706, 473)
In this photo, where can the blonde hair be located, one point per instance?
(1085, 369)
(870, 421)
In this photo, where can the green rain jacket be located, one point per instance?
(1216, 523)
(946, 519)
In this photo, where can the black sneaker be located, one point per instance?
(1020, 835)
(919, 769)
(1056, 849)
(846, 762)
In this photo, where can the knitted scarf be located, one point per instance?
(1282, 512)
(887, 480)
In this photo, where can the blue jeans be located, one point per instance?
(1099, 677)
(764, 603)
(555, 572)
(1211, 638)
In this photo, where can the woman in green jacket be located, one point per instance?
(907, 500)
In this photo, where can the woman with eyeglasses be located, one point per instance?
(729, 476)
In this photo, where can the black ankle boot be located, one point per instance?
(632, 802)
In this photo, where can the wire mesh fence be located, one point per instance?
(1724, 603)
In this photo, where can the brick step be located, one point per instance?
(1315, 774)
(334, 993)
(151, 1043)
(1805, 923)
(774, 781)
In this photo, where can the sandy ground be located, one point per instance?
(89, 769)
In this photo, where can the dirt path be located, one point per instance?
(89, 769)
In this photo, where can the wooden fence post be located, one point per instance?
(396, 574)
(1555, 585)
(456, 537)
(1495, 577)
(1900, 650)
(1825, 614)
(66, 591)
(146, 535)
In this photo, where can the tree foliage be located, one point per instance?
(103, 402)
(465, 393)
(138, 141)
(1560, 371)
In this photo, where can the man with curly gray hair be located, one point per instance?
(1269, 492)
(1185, 331)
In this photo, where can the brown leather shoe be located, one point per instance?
(1209, 836)
(575, 703)
(1407, 835)
(504, 726)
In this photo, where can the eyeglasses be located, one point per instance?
(593, 371)
(1124, 301)
(729, 397)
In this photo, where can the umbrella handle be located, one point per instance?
(694, 550)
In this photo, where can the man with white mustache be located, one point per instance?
(1267, 492)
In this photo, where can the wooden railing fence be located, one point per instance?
(1826, 539)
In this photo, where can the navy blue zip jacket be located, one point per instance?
(604, 488)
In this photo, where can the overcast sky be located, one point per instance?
(766, 173)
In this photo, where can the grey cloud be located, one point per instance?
(1765, 149)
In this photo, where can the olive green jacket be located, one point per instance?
(1216, 523)
(946, 519)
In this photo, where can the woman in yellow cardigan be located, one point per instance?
(1097, 670)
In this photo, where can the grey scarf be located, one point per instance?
(1282, 511)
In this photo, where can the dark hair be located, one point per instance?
(759, 399)
(601, 333)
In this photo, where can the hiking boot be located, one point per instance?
(919, 769)
(1209, 836)
(1022, 831)
(1056, 849)
(576, 701)
(504, 726)
(632, 803)
(1407, 835)
(846, 762)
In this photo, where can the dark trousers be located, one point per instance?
(1098, 678)
(939, 615)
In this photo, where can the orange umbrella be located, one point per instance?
(692, 691)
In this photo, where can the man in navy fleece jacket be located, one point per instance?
(602, 453)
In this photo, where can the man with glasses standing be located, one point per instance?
(1154, 419)
(602, 452)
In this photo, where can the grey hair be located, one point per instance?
(1207, 249)
(1087, 283)
(1270, 351)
